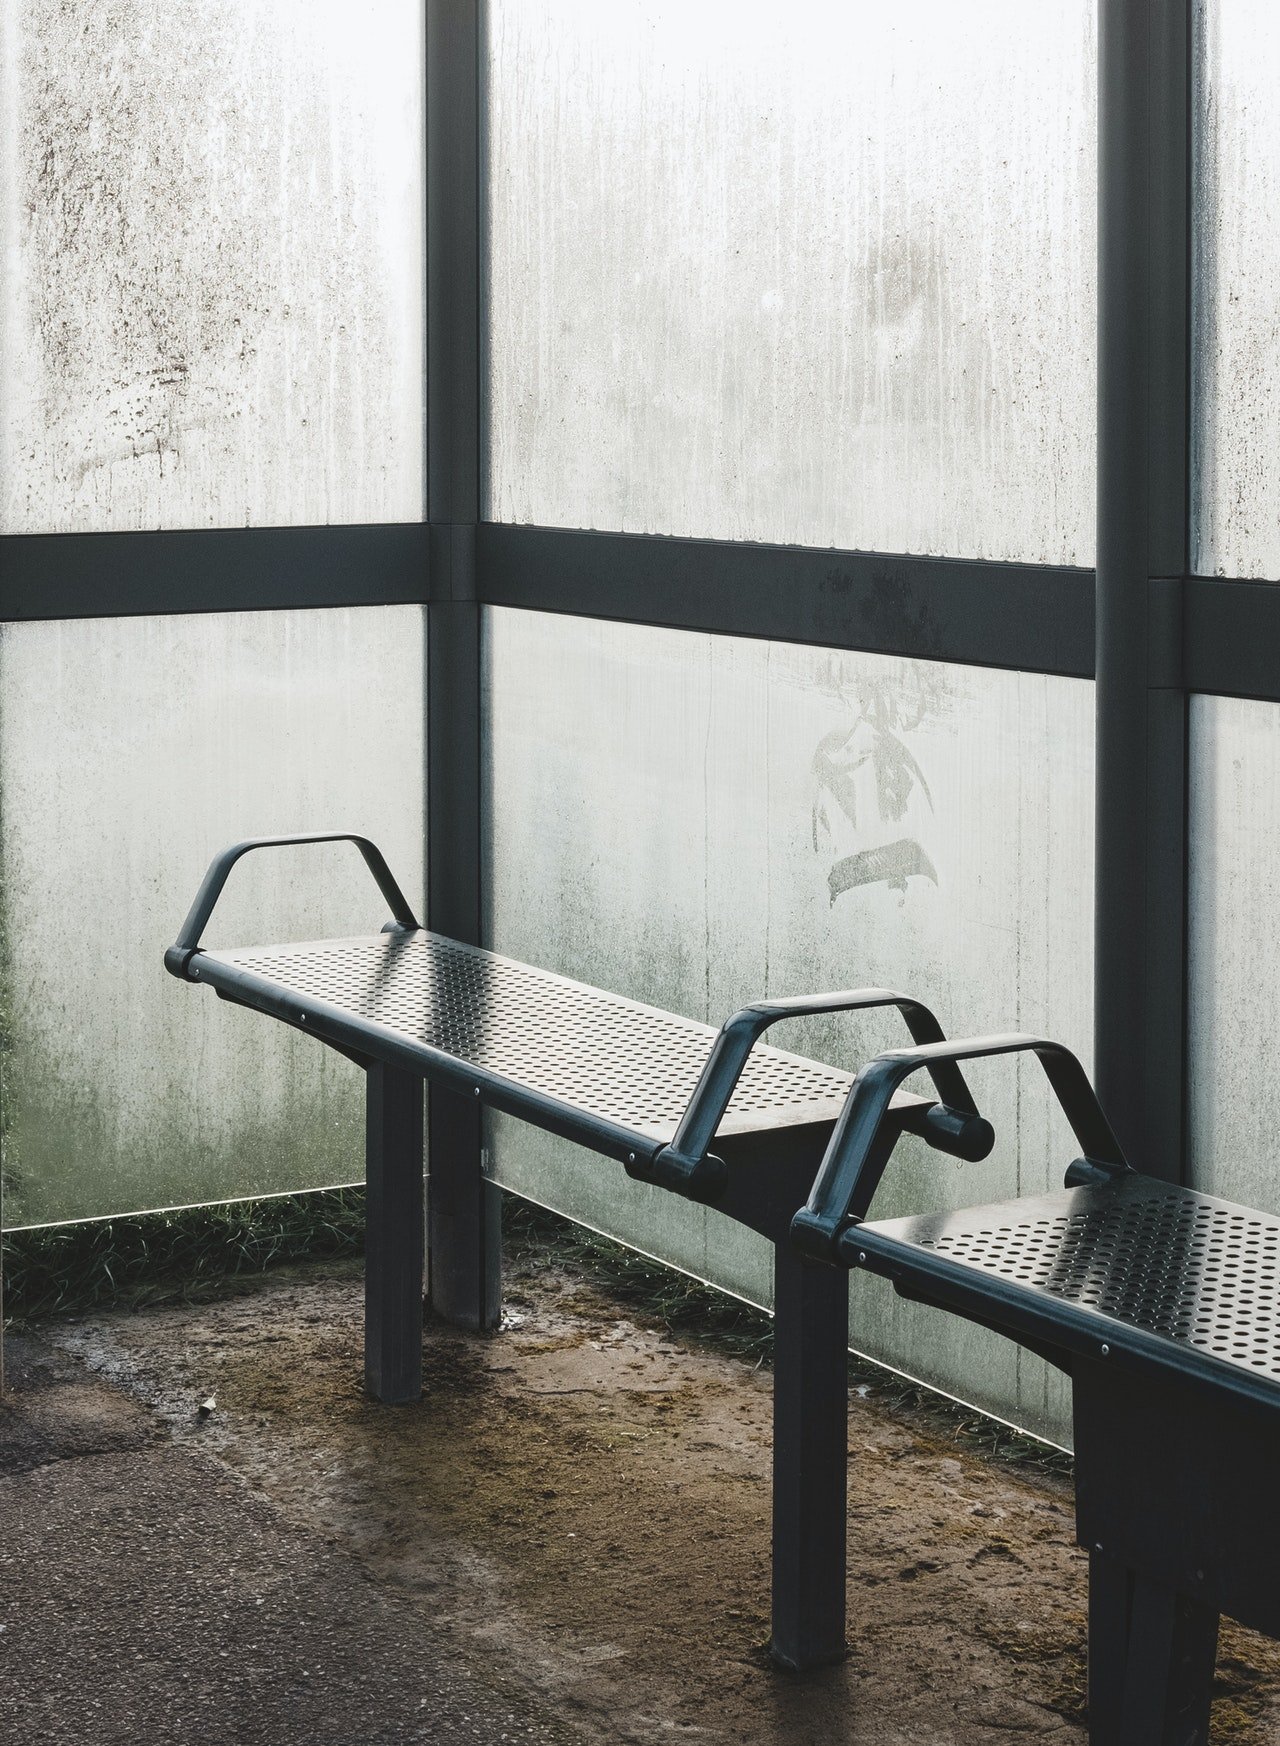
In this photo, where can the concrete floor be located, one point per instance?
(567, 1541)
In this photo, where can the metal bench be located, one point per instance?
(1163, 1305)
(644, 1087)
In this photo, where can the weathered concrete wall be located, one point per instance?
(130, 751)
(698, 822)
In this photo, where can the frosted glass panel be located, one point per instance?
(1235, 950)
(820, 273)
(210, 285)
(699, 822)
(132, 750)
(1236, 289)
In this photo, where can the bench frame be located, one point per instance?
(1176, 1452)
(757, 1178)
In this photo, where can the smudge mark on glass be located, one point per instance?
(891, 865)
(865, 777)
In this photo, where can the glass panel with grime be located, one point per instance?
(175, 737)
(820, 274)
(211, 278)
(699, 821)
(1236, 290)
(1234, 967)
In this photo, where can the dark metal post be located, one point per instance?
(1151, 1659)
(464, 1210)
(1110, 1609)
(393, 1234)
(810, 1453)
(1144, 149)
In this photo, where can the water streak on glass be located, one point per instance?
(1236, 291)
(821, 273)
(211, 274)
(697, 822)
(131, 751)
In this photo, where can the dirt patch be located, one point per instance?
(53, 1412)
(587, 1499)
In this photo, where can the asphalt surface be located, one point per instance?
(147, 1597)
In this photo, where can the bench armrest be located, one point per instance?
(178, 957)
(687, 1165)
(862, 1141)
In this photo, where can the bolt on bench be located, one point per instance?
(644, 1087)
(1162, 1304)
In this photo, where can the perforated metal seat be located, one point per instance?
(1138, 1271)
(643, 1086)
(503, 1022)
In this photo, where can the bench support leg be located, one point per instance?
(464, 1218)
(393, 1235)
(810, 1453)
(1151, 1656)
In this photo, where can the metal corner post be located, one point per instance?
(1144, 156)
(463, 1217)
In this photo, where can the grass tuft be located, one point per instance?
(174, 1257)
(683, 1307)
(202, 1252)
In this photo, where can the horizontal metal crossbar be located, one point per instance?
(1139, 1272)
(1033, 617)
(229, 569)
(1231, 637)
(1037, 617)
